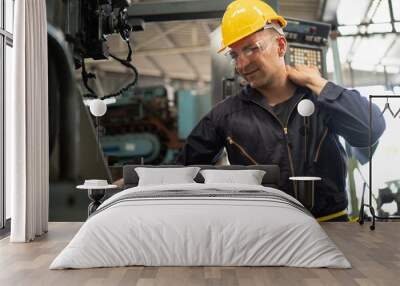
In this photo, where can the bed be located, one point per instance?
(201, 224)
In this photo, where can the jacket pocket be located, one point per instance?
(319, 146)
(241, 149)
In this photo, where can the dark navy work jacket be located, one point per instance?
(251, 133)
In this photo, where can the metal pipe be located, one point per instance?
(336, 58)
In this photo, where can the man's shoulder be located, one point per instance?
(228, 106)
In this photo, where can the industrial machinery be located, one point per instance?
(140, 127)
(191, 109)
(78, 30)
(148, 126)
(308, 43)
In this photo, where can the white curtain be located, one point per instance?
(27, 158)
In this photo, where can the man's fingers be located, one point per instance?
(304, 67)
(300, 66)
(290, 70)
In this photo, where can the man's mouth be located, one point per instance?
(250, 72)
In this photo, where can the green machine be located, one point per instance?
(191, 108)
(140, 127)
(144, 126)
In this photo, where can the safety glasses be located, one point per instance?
(247, 51)
(259, 46)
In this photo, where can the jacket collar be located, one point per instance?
(251, 94)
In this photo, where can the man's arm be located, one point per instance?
(348, 109)
(203, 144)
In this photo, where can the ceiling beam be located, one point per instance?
(206, 28)
(178, 10)
(184, 56)
(173, 51)
(163, 72)
(389, 48)
(181, 10)
(160, 36)
(320, 11)
(153, 72)
(155, 52)
(329, 10)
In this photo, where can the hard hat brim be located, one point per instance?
(282, 22)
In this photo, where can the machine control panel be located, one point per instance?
(305, 56)
(307, 43)
(307, 32)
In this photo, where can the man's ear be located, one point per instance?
(282, 45)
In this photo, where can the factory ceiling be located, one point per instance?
(181, 49)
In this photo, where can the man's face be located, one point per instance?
(260, 66)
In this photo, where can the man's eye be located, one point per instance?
(234, 56)
(250, 50)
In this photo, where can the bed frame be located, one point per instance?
(270, 179)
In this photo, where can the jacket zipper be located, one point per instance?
(241, 149)
(285, 131)
(319, 145)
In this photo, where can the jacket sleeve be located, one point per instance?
(349, 115)
(203, 144)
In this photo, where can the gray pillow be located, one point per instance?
(248, 177)
(162, 176)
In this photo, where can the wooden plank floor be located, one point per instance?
(375, 256)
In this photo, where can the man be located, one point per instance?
(261, 124)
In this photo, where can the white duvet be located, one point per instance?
(183, 231)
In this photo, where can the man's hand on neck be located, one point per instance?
(308, 76)
(279, 92)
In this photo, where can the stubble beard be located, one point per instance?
(260, 82)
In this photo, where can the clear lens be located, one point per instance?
(247, 52)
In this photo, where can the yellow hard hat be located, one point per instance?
(244, 17)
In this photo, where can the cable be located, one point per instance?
(85, 77)
(127, 63)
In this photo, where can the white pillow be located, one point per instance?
(162, 176)
(248, 177)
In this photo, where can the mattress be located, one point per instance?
(201, 225)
